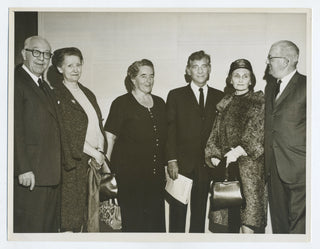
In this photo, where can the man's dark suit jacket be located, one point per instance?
(36, 132)
(285, 129)
(188, 129)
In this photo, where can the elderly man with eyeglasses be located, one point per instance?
(37, 149)
(285, 139)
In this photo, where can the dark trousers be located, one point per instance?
(198, 202)
(287, 204)
(36, 211)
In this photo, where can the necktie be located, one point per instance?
(41, 85)
(44, 90)
(201, 99)
(277, 89)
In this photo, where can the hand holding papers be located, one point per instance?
(180, 188)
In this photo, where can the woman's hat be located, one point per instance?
(240, 63)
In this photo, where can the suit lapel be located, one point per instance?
(91, 100)
(271, 92)
(209, 101)
(192, 97)
(45, 102)
(293, 81)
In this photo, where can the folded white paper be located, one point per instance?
(180, 189)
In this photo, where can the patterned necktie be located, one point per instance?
(201, 99)
(277, 89)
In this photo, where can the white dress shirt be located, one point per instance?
(196, 91)
(35, 78)
(284, 82)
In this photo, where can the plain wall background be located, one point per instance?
(111, 41)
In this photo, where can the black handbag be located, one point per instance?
(108, 187)
(226, 193)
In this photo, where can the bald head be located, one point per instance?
(35, 39)
(282, 58)
(289, 50)
(35, 53)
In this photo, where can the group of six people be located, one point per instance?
(58, 128)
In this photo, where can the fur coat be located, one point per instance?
(240, 121)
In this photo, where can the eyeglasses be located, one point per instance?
(269, 58)
(36, 53)
(203, 67)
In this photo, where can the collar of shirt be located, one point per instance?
(35, 78)
(196, 92)
(284, 82)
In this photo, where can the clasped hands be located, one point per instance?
(231, 156)
(102, 160)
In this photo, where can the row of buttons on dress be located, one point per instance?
(156, 140)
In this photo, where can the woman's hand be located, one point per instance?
(234, 154)
(173, 169)
(105, 168)
(215, 161)
(99, 157)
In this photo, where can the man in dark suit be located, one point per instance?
(285, 139)
(37, 151)
(191, 111)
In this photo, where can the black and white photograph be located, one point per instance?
(160, 125)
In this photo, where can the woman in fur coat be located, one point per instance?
(237, 136)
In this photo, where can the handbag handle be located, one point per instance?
(226, 174)
(226, 170)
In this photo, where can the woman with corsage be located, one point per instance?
(83, 139)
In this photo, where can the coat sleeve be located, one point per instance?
(213, 148)
(21, 161)
(116, 117)
(252, 140)
(171, 109)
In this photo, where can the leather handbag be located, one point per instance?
(108, 187)
(226, 193)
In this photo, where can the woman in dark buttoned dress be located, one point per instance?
(136, 134)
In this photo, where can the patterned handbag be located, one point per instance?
(110, 215)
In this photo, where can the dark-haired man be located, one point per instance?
(190, 113)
